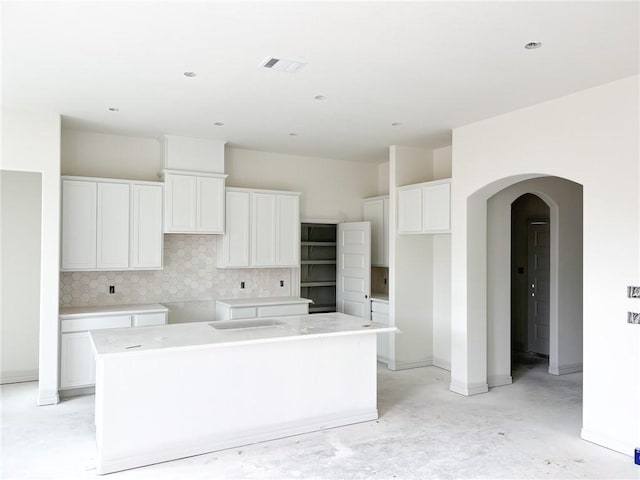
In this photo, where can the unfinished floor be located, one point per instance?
(526, 430)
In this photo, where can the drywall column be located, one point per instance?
(20, 206)
(591, 138)
(410, 268)
(31, 142)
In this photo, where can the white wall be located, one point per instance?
(591, 138)
(410, 268)
(20, 214)
(31, 142)
(331, 188)
(565, 204)
(93, 154)
(383, 178)
(442, 163)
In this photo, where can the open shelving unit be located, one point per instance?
(318, 266)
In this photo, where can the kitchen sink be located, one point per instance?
(238, 324)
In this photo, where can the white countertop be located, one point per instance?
(202, 335)
(81, 312)
(260, 301)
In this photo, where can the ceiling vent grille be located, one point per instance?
(282, 65)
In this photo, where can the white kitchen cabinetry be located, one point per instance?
(425, 207)
(110, 224)
(380, 314)
(146, 226)
(194, 202)
(262, 229)
(77, 364)
(79, 224)
(113, 226)
(376, 211)
(238, 308)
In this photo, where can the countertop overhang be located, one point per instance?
(139, 340)
(261, 301)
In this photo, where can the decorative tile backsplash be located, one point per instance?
(189, 273)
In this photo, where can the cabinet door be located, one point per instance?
(410, 210)
(435, 208)
(77, 363)
(233, 246)
(113, 226)
(210, 205)
(373, 212)
(180, 203)
(78, 225)
(146, 226)
(288, 238)
(263, 229)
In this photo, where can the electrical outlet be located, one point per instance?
(112, 289)
(633, 292)
(385, 281)
(282, 283)
(241, 285)
(633, 317)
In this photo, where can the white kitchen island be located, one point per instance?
(173, 391)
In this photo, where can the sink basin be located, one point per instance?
(238, 324)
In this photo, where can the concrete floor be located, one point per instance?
(526, 430)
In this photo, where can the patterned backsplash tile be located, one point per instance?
(189, 273)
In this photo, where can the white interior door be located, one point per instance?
(353, 280)
(539, 289)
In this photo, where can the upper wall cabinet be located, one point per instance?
(111, 224)
(425, 208)
(376, 211)
(194, 202)
(262, 229)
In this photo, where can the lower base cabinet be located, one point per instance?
(380, 314)
(77, 362)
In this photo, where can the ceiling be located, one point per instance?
(430, 66)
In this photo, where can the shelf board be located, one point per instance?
(317, 284)
(318, 262)
(318, 244)
(322, 308)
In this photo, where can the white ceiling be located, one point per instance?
(432, 66)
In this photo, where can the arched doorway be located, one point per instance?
(488, 287)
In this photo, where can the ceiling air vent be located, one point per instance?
(282, 65)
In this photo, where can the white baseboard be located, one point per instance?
(565, 369)
(624, 447)
(18, 376)
(408, 365)
(74, 392)
(499, 380)
(440, 363)
(468, 389)
(217, 442)
(48, 398)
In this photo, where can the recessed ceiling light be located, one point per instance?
(114, 109)
(533, 45)
(219, 124)
(396, 124)
(293, 134)
(190, 74)
(320, 97)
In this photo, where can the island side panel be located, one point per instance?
(165, 404)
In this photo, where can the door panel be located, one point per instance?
(354, 269)
(538, 287)
(263, 229)
(113, 225)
